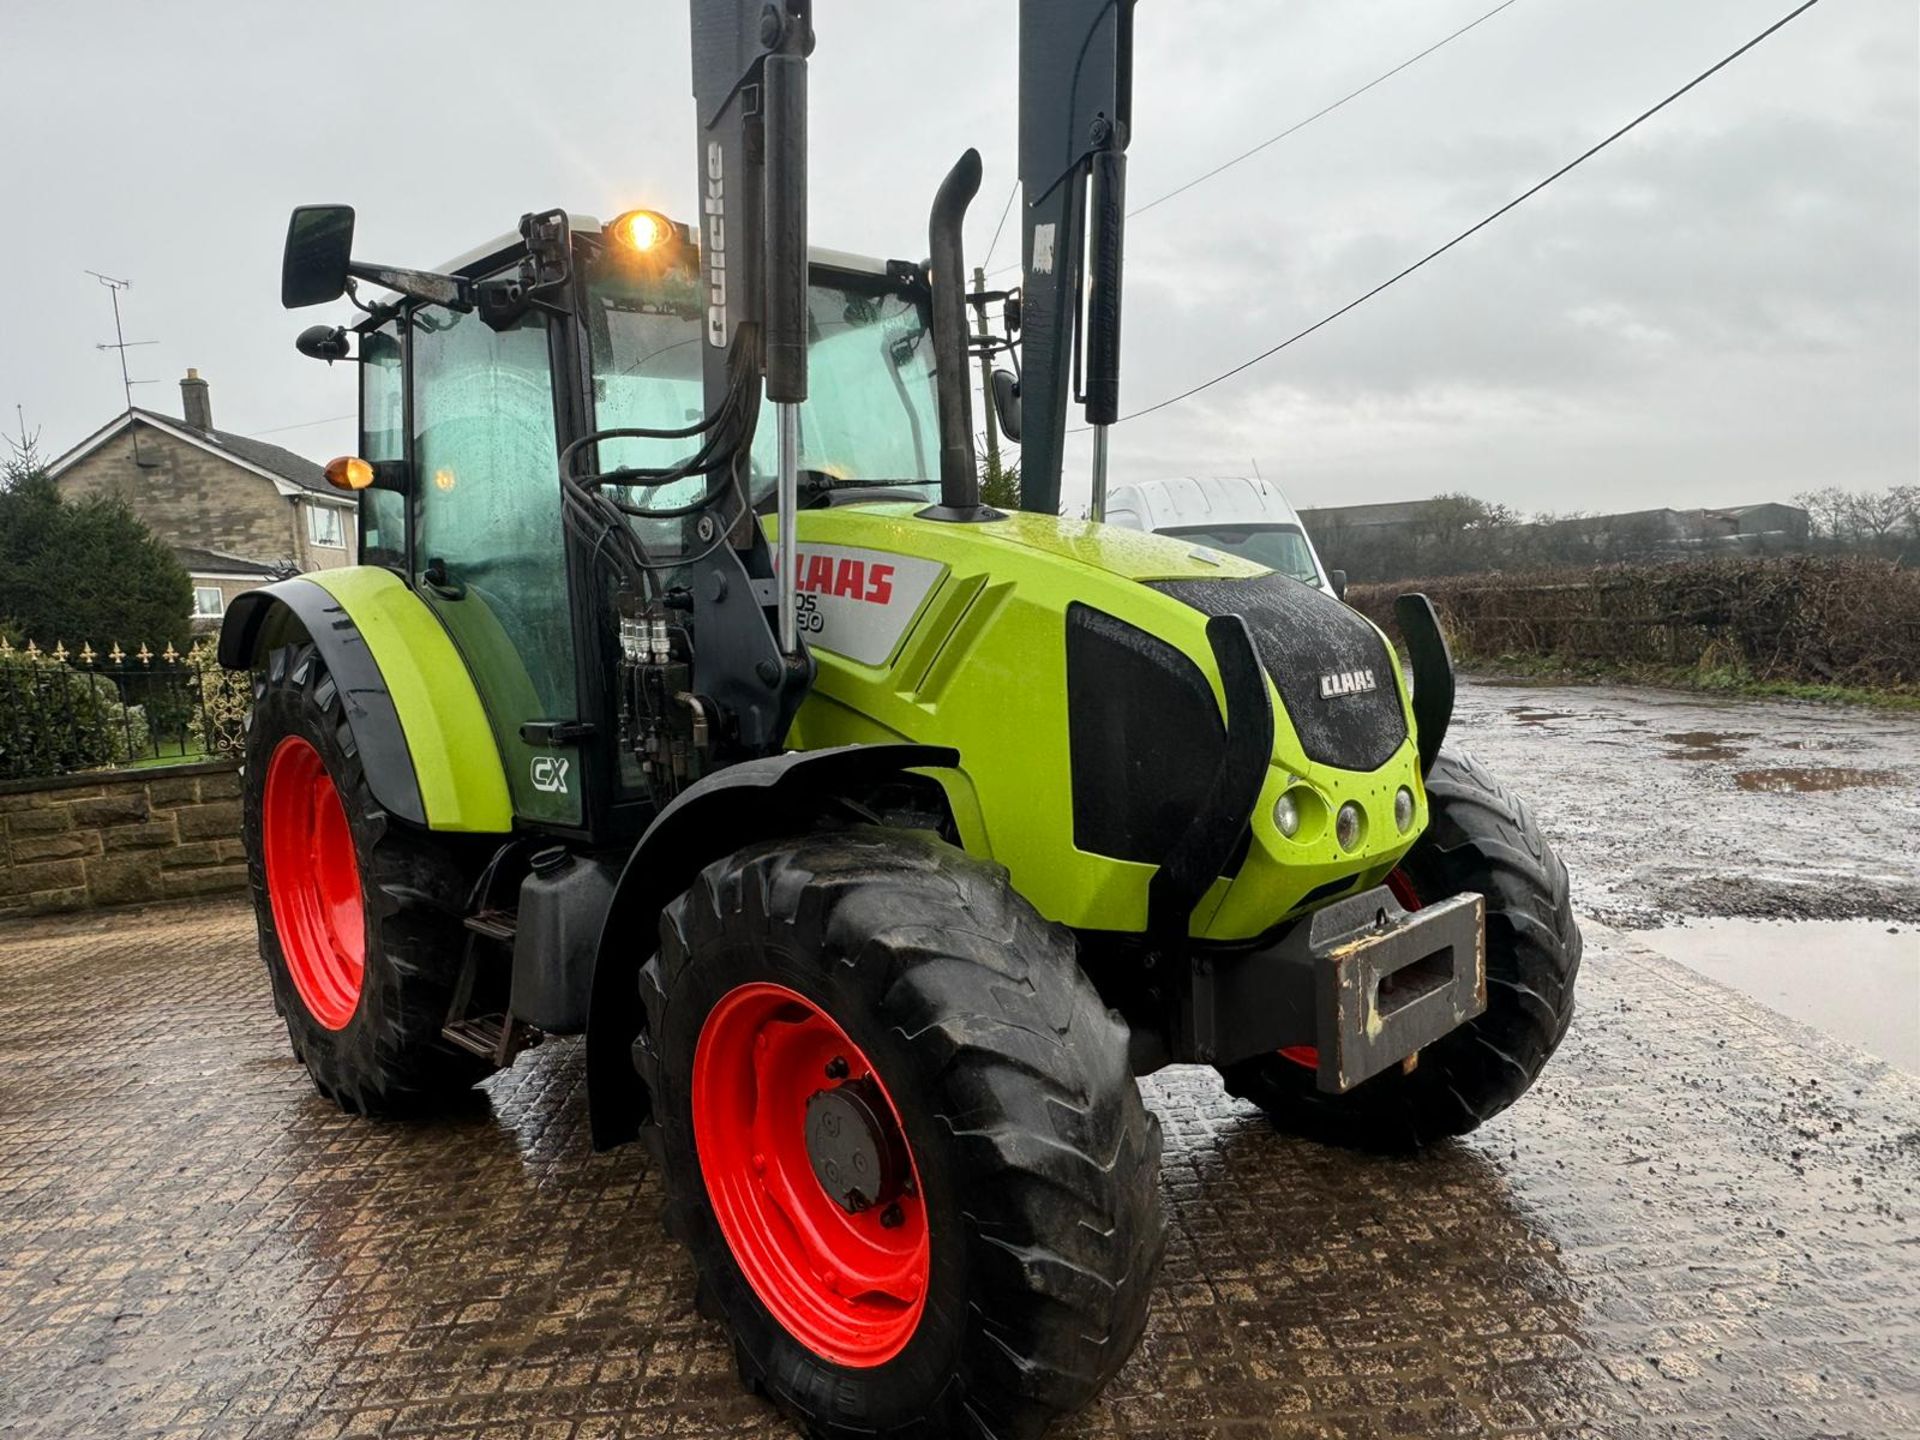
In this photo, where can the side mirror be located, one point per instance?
(1006, 403)
(313, 269)
(324, 342)
(1338, 579)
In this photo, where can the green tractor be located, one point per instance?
(686, 695)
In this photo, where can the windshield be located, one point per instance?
(869, 418)
(1278, 547)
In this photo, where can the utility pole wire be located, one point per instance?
(1005, 210)
(302, 425)
(1300, 125)
(1518, 200)
(1292, 129)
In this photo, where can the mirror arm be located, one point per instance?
(449, 290)
(393, 475)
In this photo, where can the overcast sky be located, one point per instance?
(1723, 307)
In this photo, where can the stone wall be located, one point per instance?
(113, 839)
(190, 496)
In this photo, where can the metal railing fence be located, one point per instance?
(65, 711)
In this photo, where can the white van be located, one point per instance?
(1249, 518)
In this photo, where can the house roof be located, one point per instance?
(289, 472)
(196, 561)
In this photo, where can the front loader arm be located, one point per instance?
(1076, 84)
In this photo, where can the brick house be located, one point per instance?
(237, 512)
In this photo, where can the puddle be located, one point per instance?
(1534, 715)
(1856, 980)
(1706, 744)
(1802, 780)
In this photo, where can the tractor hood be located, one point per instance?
(1078, 670)
(1128, 554)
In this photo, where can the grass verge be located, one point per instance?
(1711, 679)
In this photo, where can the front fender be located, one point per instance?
(422, 733)
(754, 800)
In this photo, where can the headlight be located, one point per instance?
(1403, 809)
(1349, 826)
(1286, 815)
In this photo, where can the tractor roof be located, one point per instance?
(475, 258)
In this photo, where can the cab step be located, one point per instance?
(498, 925)
(493, 1037)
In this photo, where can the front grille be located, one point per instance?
(1145, 738)
(1303, 634)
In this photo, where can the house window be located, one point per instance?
(208, 603)
(324, 527)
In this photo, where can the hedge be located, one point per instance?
(1813, 620)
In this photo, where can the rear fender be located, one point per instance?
(754, 800)
(417, 721)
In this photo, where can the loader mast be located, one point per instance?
(750, 90)
(1076, 84)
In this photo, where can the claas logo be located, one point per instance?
(847, 579)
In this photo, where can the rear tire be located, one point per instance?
(371, 1039)
(1036, 1164)
(1481, 838)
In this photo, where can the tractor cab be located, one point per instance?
(468, 404)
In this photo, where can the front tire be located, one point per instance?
(359, 914)
(1481, 838)
(1003, 1277)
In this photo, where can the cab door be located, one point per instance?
(489, 546)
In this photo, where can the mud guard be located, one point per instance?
(422, 734)
(1432, 674)
(754, 800)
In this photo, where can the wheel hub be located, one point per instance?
(810, 1176)
(855, 1148)
(313, 883)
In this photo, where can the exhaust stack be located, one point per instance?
(959, 480)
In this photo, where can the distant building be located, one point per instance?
(238, 513)
(1393, 515)
(1785, 524)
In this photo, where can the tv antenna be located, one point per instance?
(122, 344)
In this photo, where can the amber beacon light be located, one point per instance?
(641, 230)
(349, 472)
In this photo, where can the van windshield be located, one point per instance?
(1278, 547)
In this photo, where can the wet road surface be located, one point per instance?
(1767, 844)
(1857, 980)
(1700, 1224)
(1670, 805)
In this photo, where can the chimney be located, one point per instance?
(194, 403)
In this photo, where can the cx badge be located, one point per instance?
(550, 774)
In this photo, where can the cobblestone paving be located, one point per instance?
(1700, 1224)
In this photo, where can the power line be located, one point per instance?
(1300, 125)
(1005, 210)
(1518, 200)
(303, 425)
(1294, 128)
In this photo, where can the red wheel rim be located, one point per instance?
(313, 883)
(1403, 890)
(847, 1286)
